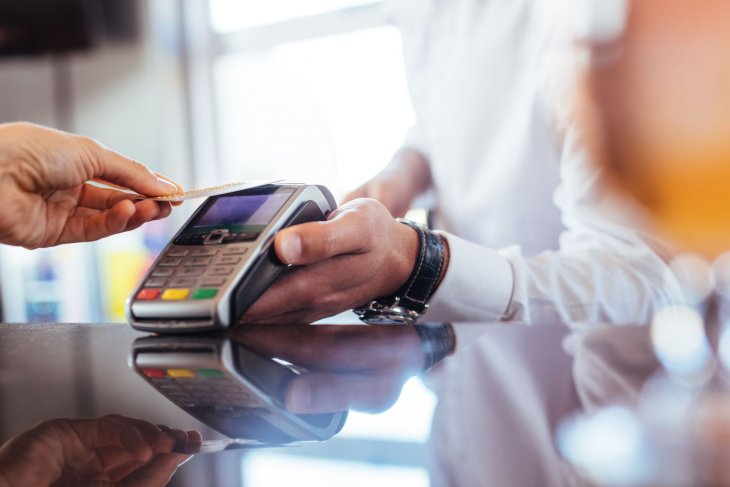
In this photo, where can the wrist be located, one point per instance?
(422, 261)
(407, 257)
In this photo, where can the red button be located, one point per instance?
(154, 373)
(148, 294)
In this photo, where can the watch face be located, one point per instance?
(388, 316)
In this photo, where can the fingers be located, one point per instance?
(100, 433)
(161, 439)
(98, 198)
(156, 438)
(163, 466)
(157, 472)
(326, 393)
(351, 229)
(115, 168)
(312, 292)
(184, 440)
(179, 187)
(90, 225)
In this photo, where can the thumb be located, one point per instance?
(111, 166)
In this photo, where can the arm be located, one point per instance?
(609, 267)
(407, 176)
(607, 270)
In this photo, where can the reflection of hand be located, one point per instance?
(397, 185)
(112, 450)
(361, 253)
(348, 366)
(45, 193)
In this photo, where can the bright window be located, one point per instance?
(230, 15)
(329, 111)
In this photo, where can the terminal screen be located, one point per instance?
(241, 213)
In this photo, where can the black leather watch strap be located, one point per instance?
(425, 275)
(438, 341)
(410, 302)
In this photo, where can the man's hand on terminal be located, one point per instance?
(364, 368)
(45, 193)
(361, 253)
(407, 176)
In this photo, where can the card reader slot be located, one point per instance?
(268, 266)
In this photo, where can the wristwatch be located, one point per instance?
(410, 302)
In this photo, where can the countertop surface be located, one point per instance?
(241, 384)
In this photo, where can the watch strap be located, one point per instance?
(425, 275)
(438, 341)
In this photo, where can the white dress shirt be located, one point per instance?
(479, 74)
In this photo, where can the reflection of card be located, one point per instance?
(212, 191)
(215, 446)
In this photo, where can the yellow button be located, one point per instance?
(175, 294)
(181, 373)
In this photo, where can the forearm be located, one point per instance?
(563, 287)
(413, 167)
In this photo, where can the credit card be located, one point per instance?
(211, 191)
(214, 446)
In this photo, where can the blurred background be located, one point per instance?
(210, 92)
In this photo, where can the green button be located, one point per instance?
(205, 293)
(210, 373)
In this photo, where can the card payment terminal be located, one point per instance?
(222, 260)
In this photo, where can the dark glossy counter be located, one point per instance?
(65, 370)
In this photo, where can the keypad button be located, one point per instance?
(210, 373)
(175, 294)
(190, 272)
(205, 293)
(198, 262)
(181, 373)
(170, 262)
(229, 238)
(229, 260)
(162, 272)
(182, 282)
(206, 252)
(177, 253)
(156, 282)
(221, 271)
(148, 294)
(235, 250)
(246, 237)
(213, 282)
(154, 373)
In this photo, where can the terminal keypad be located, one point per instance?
(192, 274)
(209, 387)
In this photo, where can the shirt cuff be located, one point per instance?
(477, 286)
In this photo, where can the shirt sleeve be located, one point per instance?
(609, 269)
